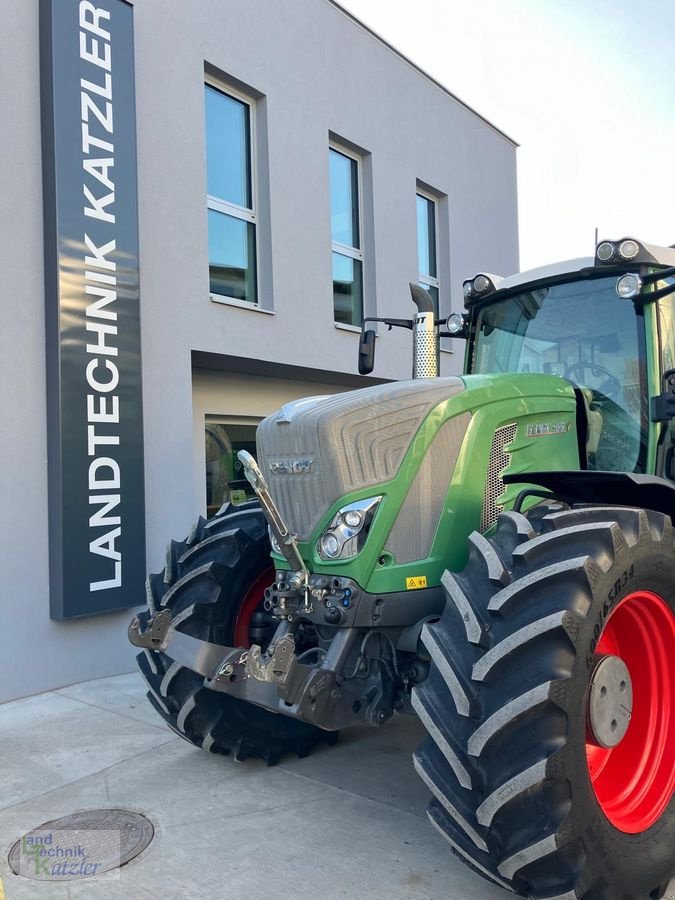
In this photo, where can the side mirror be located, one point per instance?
(367, 352)
(663, 405)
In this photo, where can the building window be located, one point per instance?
(225, 480)
(345, 221)
(231, 197)
(427, 247)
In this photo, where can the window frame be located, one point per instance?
(228, 208)
(428, 280)
(344, 249)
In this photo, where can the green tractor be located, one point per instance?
(493, 552)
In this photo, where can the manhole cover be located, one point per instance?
(82, 845)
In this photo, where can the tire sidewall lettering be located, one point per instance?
(620, 587)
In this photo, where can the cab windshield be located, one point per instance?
(583, 332)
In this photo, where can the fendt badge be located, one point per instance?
(548, 428)
(291, 466)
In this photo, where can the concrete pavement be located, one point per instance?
(346, 822)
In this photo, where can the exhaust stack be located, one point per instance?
(425, 336)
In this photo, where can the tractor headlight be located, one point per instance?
(479, 287)
(617, 252)
(629, 249)
(348, 530)
(456, 323)
(353, 518)
(629, 286)
(329, 546)
(605, 251)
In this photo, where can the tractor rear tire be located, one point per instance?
(213, 585)
(522, 790)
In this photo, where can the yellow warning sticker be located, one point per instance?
(2, 891)
(417, 581)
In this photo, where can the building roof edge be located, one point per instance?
(420, 70)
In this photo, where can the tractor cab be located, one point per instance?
(607, 325)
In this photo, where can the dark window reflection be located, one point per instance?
(232, 269)
(225, 481)
(347, 289)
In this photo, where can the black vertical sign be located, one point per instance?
(94, 418)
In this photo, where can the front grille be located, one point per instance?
(497, 464)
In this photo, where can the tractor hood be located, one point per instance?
(316, 450)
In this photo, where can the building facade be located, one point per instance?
(294, 173)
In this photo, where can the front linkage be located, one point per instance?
(343, 689)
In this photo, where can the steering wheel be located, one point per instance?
(610, 387)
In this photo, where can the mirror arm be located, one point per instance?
(657, 295)
(400, 323)
(659, 275)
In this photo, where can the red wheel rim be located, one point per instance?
(634, 781)
(251, 602)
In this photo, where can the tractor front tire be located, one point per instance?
(213, 585)
(527, 790)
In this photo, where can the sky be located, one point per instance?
(586, 87)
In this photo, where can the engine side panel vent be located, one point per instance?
(415, 527)
(497, 464)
